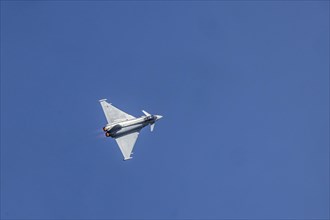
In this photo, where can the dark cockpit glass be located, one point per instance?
(151, 117)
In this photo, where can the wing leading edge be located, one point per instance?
(114, 114)
(126, 144)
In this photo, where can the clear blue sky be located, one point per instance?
(243, 87)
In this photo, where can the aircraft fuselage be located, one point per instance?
(121, 128)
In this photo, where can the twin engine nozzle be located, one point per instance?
(111, 130)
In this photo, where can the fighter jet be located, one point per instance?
(125, 128)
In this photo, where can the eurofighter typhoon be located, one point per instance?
(125, 128)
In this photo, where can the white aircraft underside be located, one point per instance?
(125, 128)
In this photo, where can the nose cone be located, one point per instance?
(158, 117)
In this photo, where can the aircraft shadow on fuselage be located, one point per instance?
(125, 133)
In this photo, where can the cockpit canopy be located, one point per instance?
(151, 117)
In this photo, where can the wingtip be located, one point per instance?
(127, 158)
(102, 100)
